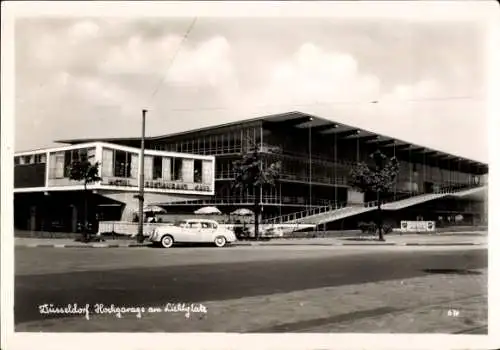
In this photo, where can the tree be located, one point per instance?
(83, 170)
(250, 172)
(377, 177)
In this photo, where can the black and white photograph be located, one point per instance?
(248, 173)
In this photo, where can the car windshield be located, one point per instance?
(181, 223)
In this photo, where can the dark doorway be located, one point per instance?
(428, 187)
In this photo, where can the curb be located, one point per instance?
(256, 244)
(97, 245)
(358, 244)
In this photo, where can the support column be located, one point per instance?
(74, 218)
(32, 219)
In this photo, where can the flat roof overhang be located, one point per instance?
(325, 127)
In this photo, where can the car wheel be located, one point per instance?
(167, 241)
(220, 241)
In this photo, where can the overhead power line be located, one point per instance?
(381, 102)
(172, 60)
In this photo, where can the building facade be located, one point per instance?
(316, 156)
(45, 198)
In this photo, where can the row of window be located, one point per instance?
(229, 142)
(117, 163)
(300, 168)
(30, 159)
(61, 161)
(122, 164)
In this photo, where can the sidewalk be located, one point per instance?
(433, 303)
(391, 240)
(70, 243)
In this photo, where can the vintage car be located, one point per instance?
(192, 231)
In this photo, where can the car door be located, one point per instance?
(186, 233)
(208, 231)
(196, 232)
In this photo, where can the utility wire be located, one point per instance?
(172, 60)
(382, 102)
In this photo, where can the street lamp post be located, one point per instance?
(140, 229)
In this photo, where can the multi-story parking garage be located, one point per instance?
(317, 155)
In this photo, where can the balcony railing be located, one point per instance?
(250, 200)
(339, 180)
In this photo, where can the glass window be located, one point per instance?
(91, 154)
(56, 170)
(134, 165)
(120, 164)
(148, 167)
(198, 170)
(67, 163)
(176, 169)
(195, 225)
(107, 162)
(17, 160)
(27, 159)
(157, 167)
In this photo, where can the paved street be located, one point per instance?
(149, 277)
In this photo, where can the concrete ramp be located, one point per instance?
(323, 215)
(478, 193)
(334, 215)
(408, 202)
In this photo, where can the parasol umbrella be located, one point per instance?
(152, 209)
(242, 212)
(208, 211)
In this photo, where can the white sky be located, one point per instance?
(90, 77)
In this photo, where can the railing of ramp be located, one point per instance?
(293, 217)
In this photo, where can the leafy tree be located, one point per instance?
(250, 172)
(83, 170)
(377, 176)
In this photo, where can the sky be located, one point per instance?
(92, 76)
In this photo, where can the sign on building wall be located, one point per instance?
(175, 185)
(418, 226)
(410, 186)
(355, 197)
(120, 181)
(157, 184)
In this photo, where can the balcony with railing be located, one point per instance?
(250, 200)
(292, 177)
